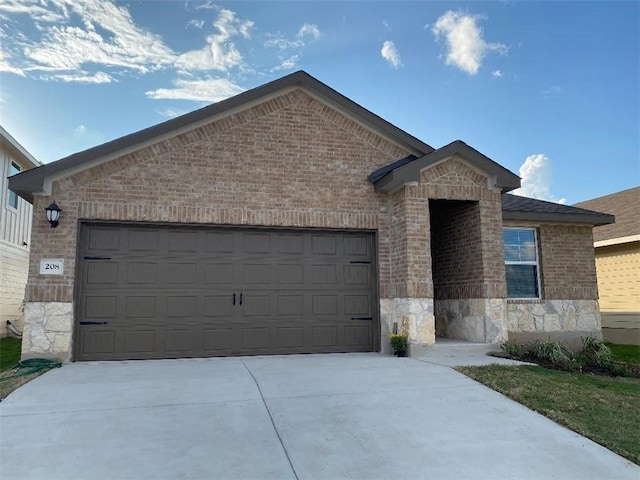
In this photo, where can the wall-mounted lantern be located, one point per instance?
(53, 214)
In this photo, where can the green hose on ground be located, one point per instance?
(30, 366)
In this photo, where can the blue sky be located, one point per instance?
(550, 90)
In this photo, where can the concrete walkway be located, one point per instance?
(343, 416)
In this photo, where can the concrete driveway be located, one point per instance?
(344, 416)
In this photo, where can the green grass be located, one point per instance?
(604, 409)
(9, 352)
(625, 353)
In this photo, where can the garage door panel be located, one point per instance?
(288, 305)
(358, 335)
(182, 273)
(290, 274)
(142, 273)
(96, 342)
(218, 305)
(99, 307)
(99, 273)
(143, 240)
(255, 305)
(289, 337)
(254, 339)
(139, 342)
(324, 304)
(357, 305)
(167, 292)
(357, 246)
(323, 274)
(217, 341)
(324, 336)
(180, 341)
(290, 244)
(324, 244)
(357, 274)
(104, 239)
(219, 273)
(257, 242)
(140, 307)
(220, 242)
(183, 306)
(257, 273)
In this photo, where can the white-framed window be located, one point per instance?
(521, 262)
(12, 200)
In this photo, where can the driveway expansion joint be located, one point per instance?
(273, 423)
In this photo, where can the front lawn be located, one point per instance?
(604, 409)
(625, 353)
(9, 352)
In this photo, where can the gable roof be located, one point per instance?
(27, 183)
(395, 175)
(515, 207)
(11, 144)
(625, 205)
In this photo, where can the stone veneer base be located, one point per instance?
(48, 328)
(554, 316)
(413, 316)
(482, 320)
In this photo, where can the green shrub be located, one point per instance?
(556, 354)
(513, 349)
(595, 353)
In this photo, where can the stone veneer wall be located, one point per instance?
(414, 317)
(473, 319)
(48, 330)
(538, 319)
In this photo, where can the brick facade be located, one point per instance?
(290, 161)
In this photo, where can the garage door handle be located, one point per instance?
(361, 318)
(360, 262)
(240, 299)
(234, 298)
(97, 258)
(93, 323)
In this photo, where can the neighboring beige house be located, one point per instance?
(617, 249)
(289, 219)
(15, 231)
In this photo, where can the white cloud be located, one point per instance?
(84, 77)
(80, 130)
(309, 30)
(466, 48)
(6, 67)
(287, 64)
(195, 23)
(390, 53)
(496, 73)
(220, 53)
(171, 113)
(206, 90)
(386, 26)
(553, 91)
(536, 173)
(36, 9)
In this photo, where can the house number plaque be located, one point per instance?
(52, 266)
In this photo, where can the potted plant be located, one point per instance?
(399, 344)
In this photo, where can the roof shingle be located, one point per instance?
(625, 205)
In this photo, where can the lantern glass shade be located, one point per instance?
(53, 214)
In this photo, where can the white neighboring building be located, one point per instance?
(15, 232)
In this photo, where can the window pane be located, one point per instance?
(528, 252)
(13, 199)
(522, 281)
(511, 253)
(14, 169)
(510, 236)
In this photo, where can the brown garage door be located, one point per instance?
(170, 291)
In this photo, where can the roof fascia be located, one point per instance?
(497, 175)
(596, 219)
(12, 144)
